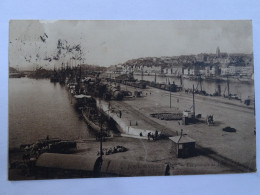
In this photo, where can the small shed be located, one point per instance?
(188, 117)
(183, 146)
(188, 114)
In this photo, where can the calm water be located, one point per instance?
(243, 90)
(38, 108)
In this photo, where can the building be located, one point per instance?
(118, 69)
(174, 70)
(233, 70)
(195, 71)
(237, 70)
(152, 69)
(186, 71)
(246, 71)
(183, 146)
(127, 69)
(167, 71)
(202, 72)
(177, 70)
(207, 71)
(224, 71)
(212, 71)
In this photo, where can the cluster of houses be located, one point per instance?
(214, 70)
(208, 65)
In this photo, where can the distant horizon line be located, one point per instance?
(252, 53)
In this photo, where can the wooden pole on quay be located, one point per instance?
(170, 98)
(101, 136)
(193, 101)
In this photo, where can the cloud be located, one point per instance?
(112, 42)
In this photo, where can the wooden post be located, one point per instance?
(228, 86)
(200, 83)
(101, 137)
(193, 101)
(170, 98)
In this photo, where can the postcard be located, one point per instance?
(130, 98)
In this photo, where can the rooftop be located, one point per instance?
(182, 139)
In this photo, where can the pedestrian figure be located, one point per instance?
(120, 113)
(152, 136)
(149, 135)
(156, 134)
(141, 135)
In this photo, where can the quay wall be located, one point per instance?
(123, 126)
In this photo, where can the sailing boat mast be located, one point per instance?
(101, 134)
(228, 85)
(170, 98)
(142, 76)
(200, 80)
(193, 101)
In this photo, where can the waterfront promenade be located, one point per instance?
(234, 148)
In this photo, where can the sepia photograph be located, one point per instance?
(127, 98)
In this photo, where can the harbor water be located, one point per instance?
(38, 108)
(242, 90)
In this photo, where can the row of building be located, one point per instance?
(246, 71)
(213, 70)
(218, 64)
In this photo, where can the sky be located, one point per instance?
(34, 43)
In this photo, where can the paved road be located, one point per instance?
(233, 150)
